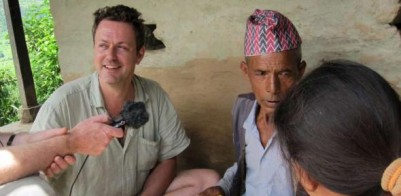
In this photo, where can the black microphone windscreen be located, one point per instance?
(133, 114)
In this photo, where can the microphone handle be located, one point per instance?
(118, 124)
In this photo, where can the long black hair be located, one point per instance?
(341, 124)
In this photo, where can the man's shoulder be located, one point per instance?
(146, 81)
(79, 83)
(243, 106)
(245, 100)
(77, 86)
(150, 86)
(246, 97)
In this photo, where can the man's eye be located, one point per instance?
(260, 73)
(103, 46)
(122, 47)
(285, 73)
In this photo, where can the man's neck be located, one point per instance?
(115, 96)
(265, 126)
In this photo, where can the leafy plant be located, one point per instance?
(9, 95)
(42, 49)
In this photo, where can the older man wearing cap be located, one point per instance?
(273, 64)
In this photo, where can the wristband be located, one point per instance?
(10, 140)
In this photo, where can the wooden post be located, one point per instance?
(22, 65)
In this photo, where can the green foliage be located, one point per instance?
(43, 50)
(6, 59)
(9, 95)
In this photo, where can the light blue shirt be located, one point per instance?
(267, 171)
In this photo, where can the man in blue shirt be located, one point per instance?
(273, 64)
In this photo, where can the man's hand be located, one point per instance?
(212, 191)
(92, 135)
(59, 164)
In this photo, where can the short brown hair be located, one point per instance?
(122, 13)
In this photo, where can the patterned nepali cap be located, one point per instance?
(269, 31)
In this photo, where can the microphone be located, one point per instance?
(133, 114)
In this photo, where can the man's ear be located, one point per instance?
(309, 184)
(301, 68)
(244, 69)
(140, 54)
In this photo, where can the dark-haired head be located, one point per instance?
(341, 127)
(122, 13)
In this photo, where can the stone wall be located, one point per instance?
(199, 67)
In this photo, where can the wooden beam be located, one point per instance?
(22, 65)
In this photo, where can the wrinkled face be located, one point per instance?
(115, 54)
(272, 75)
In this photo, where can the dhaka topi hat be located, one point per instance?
(269, 31)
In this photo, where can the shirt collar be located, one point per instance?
(140, 90)
(97, 98)
(249, 123)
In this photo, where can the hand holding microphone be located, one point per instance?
(85, 137)
(96, 138)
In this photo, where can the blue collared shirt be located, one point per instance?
(267, 172)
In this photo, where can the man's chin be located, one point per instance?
(110, 80)
(268, 109)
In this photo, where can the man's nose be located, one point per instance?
(111, 53)
(273, 84)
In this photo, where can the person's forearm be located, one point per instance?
(160, 178)
(25, 138)
(22, 160)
